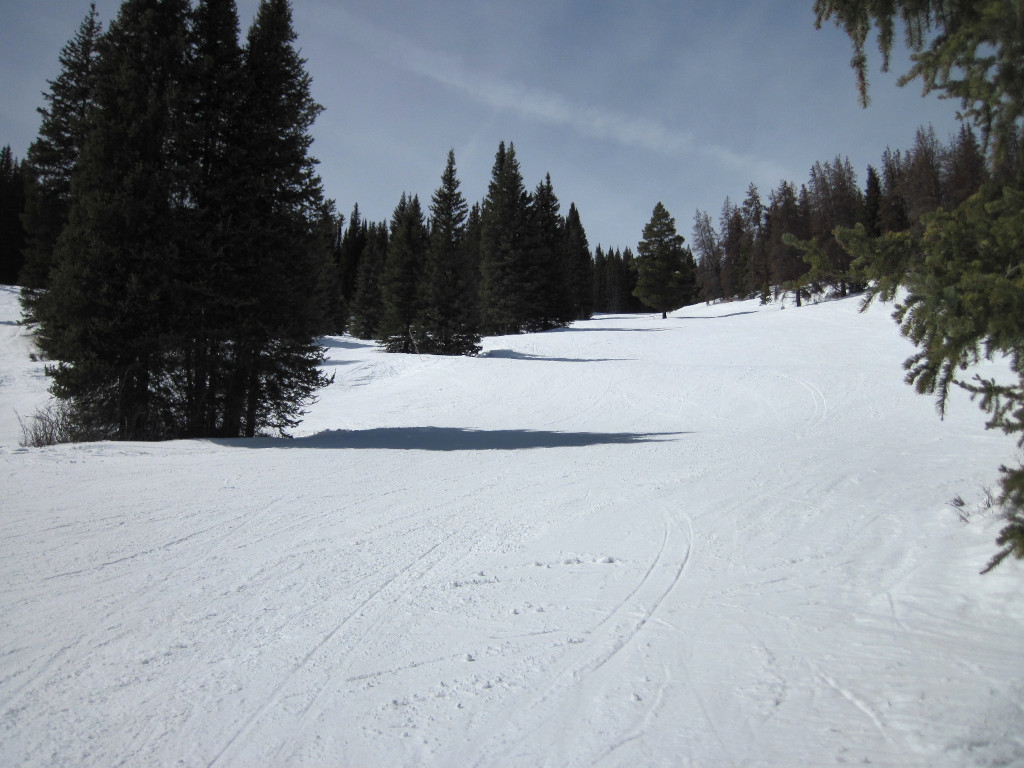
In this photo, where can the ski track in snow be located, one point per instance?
(717, 539)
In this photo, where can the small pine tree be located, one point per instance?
(665, 269)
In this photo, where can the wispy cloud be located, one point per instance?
(540, 105)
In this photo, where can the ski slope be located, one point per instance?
(720, 539)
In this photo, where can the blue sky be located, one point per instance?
(625, 104)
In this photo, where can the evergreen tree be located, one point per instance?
(963, 273)
(350, 252)
(212, 290)
(505, 248)
(446, 324)
(106, 316)
(53, 157)
(734, 253)
(367, 303)
(12, 204)
(964, 171)
(288, 237)
(708, 252)
(754, 245)
(873, 203)
(578, 267)
(400, 280)
(544, 276)
(666, 277)
(786, 217)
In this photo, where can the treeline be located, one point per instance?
(787, 243)
(436, 281)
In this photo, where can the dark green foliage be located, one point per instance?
(107, 316)
(53, 157)
(708, 252)
(614, 282)
(290, 229)
(12, 204)
(190, 279)
(400, 279)
(972, 51)
(963, 269)
(446, 324)
(505, 257)
(348, 258)
(545, 276)
(666, 272)
(367, 308)
(578, 267)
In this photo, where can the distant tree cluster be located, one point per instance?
(435, 282)
(788, 243)
(177, 255)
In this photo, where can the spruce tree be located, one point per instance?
(578, 267)
(53, 157)
(446, 324)
(106, 317)
(504, 247)
(962, 273)
(367, 307)
(665, 269)
(400, 279)
(287, 266)
(544, 274)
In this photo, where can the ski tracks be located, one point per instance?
(310, 679)
(585, 667)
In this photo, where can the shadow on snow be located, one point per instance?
(451, 439)
(511, 354)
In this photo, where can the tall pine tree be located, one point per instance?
(106, 316)
(446, 324)
(53, 157)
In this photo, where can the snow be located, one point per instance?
(720, 539)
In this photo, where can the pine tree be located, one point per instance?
(579, 267)
(350, 252)
(212, 290)
(446, 324)
(666, 277)
(289, 227)
(367, 303)
(708, 252)
(504, 247)
(12, 204)
(964, 283)
(734, 253)
(400, 280)
(106, 316)
(544, 276)
(53, 157)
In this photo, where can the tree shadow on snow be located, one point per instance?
(452, 439)
(511, 354)
(337, 342)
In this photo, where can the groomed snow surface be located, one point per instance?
(720, 539)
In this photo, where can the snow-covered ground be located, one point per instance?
(721, 539)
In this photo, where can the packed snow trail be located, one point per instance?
(723, 538)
